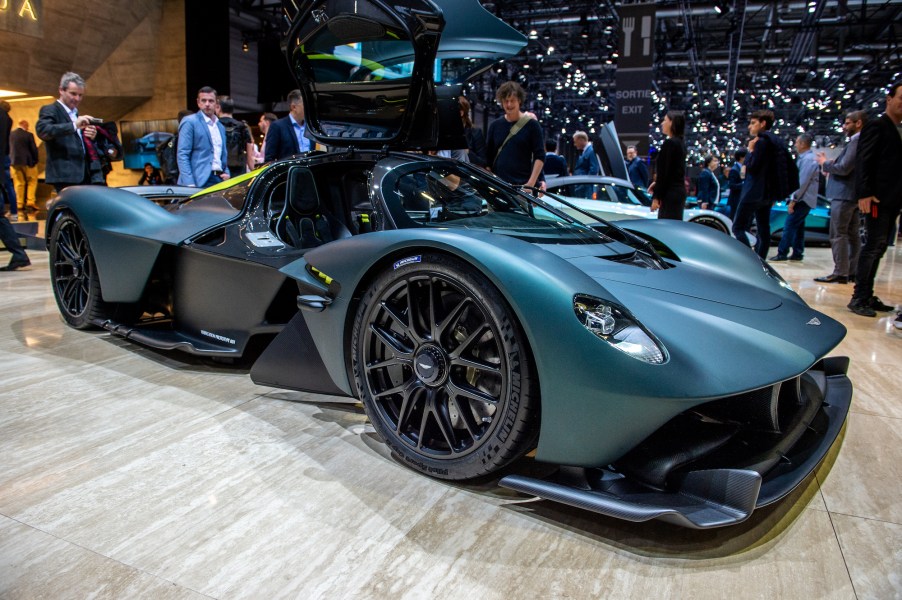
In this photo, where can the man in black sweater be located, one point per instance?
(514, 146)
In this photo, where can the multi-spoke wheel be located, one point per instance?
(443, 371)
(76, 285)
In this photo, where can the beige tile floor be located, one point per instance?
(126, 473)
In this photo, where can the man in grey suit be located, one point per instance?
(63, 131)
(202, 153)
(844, 214)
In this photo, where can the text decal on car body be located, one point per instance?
(407, 261)
(215, 336)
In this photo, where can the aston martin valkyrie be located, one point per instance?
(474, 321)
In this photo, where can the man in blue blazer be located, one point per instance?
(202, 152)
(286, 136)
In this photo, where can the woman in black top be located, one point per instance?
(669, 188)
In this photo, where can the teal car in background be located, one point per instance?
(817, 223)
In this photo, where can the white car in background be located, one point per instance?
(613, 199)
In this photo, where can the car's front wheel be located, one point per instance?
(76, 285)
(443, 370)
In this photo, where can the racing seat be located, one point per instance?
(357, 198)
(304, 223)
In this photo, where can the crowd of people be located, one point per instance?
(211, 146)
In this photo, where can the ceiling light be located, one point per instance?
(10, 94)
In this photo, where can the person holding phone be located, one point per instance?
(64, 132)
(878, 188)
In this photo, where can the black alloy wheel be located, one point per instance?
(443, 371)
(76, 285)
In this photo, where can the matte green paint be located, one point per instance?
(109, 216)
(597, 401)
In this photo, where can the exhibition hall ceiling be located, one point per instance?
(810, 61)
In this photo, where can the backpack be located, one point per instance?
(167, 155)
(787, 172)
(236, 141)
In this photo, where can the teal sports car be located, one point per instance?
(483, 329)
(817, 223)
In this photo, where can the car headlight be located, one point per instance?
(617, 327)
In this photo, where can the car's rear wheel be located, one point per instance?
(711, 222)
(76, 285)
(443, 370)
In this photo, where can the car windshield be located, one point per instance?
(440, 194)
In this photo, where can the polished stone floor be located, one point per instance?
(127, 473)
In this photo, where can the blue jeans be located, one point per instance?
(794, 231)
(7, 190)
(212, 180)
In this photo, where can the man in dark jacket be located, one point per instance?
(23, 155)
(554, 162)
(758, 190)
(63, 131)
(7, 192)
(735, 180)
(287, 136)
(878, 187)
(638, 172)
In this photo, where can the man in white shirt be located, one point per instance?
(202, 153)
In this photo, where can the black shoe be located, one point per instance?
(832, 279)
(876, 304)
(778, 258)
(861, 308)
(16, 265)
(796, 258)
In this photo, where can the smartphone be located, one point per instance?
(95, 121)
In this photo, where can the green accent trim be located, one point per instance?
(228, 183)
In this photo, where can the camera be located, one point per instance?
(95, 121)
